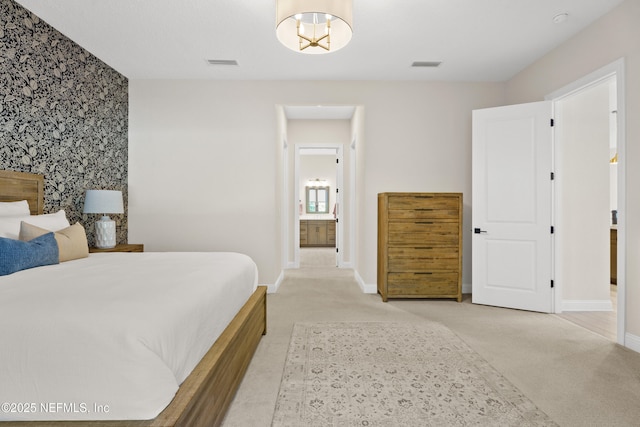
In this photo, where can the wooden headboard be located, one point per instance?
(15, 186)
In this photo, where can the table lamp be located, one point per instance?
(104, 202)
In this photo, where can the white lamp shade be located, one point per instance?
(103, 202)
(341, 12)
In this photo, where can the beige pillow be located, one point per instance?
(72, 241)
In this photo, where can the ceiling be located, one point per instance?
(476, 40)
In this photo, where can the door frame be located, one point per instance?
(614, 69)
(339, 199)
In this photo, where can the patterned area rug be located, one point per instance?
(394, 374)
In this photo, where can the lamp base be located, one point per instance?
(105, 233)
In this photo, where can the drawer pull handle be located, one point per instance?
(423, 247)
(425, 272)
(424, 222)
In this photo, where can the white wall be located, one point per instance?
(583, 182)
(417, 137)
(281, 147)
(205, 158)
(615, 35)
(203, 170)
(358, 150)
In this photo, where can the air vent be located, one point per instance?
(222, 62)
(431, 64)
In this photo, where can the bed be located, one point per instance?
(208, 388)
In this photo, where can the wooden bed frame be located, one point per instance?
(205, 395)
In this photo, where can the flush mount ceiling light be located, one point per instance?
(314, 26)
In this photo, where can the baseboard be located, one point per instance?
(273, 288)
(366, 288)
(467, 288)
(632, 342)
(373, 288)
(587, 305)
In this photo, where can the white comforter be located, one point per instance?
(112, 336)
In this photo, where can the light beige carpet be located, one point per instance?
(391, 374)
(578, 378)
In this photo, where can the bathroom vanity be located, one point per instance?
(317, 233)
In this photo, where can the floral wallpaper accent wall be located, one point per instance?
(63, 114)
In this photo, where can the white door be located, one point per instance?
(512, 191)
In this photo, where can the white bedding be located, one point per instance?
(112, 336)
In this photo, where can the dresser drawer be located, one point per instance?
(422, 202)
(423, 284)
(423, 207)
(423, 259)
(424, 214)
(441, 233)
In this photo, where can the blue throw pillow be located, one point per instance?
(16, 255)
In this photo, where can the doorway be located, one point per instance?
(589, 156)
(318, 179)
(565, 166)
(319, 128)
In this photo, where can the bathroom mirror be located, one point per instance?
(317, 200)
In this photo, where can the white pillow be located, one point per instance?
(10, 225)
(20, 208)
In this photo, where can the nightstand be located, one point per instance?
(134, 247)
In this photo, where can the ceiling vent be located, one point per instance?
(428, 64)
(222, 62)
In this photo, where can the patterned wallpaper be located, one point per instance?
(63, 113)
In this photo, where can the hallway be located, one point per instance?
(318, 258)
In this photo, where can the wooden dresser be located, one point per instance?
(317, 233)
(420, 245)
